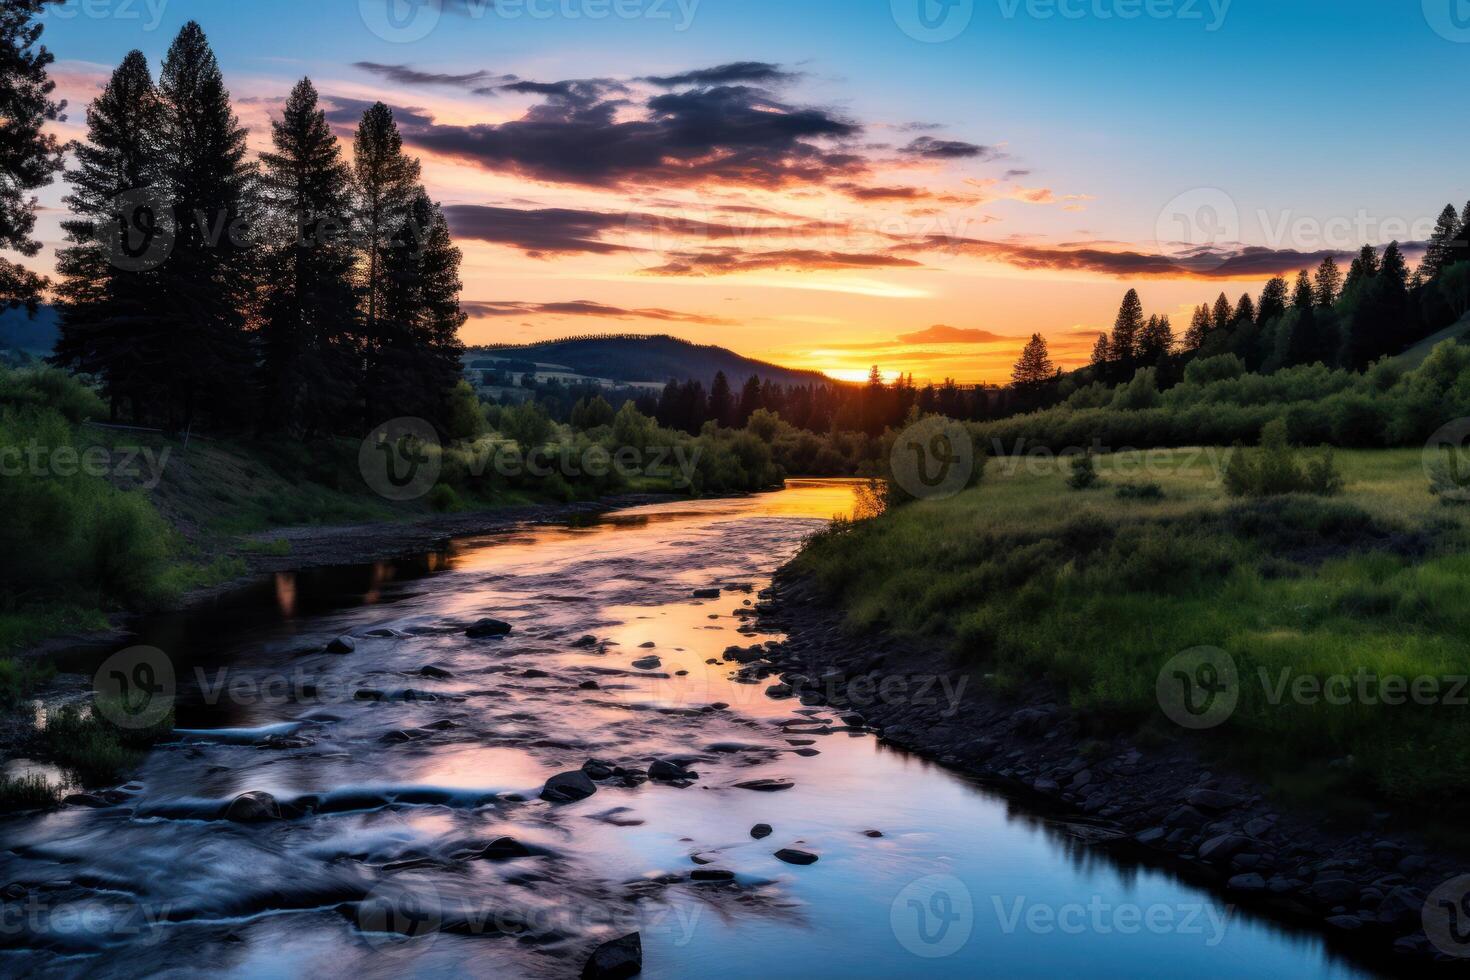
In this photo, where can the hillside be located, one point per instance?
(1414, 356)
(34, 335)
(631, 359)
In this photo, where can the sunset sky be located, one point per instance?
(814, 182)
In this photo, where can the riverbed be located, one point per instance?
(399, 770)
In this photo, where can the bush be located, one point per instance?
(1273, 470)
(30, 792)
(1084, 473)
(1140, 491)
(96, 750)
(444, 500)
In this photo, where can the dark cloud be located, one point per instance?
(755, 72)
(938, 149)
(860, 193)
(406, 75)
(1241, 262)
(942, 334)
(725, 261)
(1015, 174)
(345, 113)
(561, 231)
(723, 134)
(583, 307)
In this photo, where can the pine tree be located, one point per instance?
(1129, 322)
(1156, 340)
(1328, 282)
(721, 400)
(309, 329)
(1303, 343)
(1441, 242)
(1199, 328)
(1273, 301)
(1223, 315)
(1245, 310)
(1034, 368)
(207, 281)
(29, 156)
(109, 290)
(1363, 269)
(417, 361)
(1101, 351)
(750, 397)
(386, 184)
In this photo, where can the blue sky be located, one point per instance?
(1300, 112)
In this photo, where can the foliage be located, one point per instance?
(1084, 472)
(1273, 469)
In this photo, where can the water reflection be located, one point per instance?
(397, 765)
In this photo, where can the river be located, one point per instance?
(919, 872)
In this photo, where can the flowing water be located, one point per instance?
(383, 869)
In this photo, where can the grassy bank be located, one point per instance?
(1095, 590)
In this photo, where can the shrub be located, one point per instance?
(1273, 469)
(19, 679)
(1140, 491)
(1084, 473)
(444, 500)
(29, 792)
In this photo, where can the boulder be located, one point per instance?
(568, 787)
(760, 830)
(1223, 847)
(706, 593)
(438, 673)
(766, 785)
(342, 644)
(1212, 799)
(792, 855)
(615, 960)
(586, 641)
(1248, 883)
(711, 874)
(487, 628)
(255, 806)
(662, 770)
(648, 663)
(504, 849)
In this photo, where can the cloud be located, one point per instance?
(727, 261)
(1238, 262)
(345, 113)
(407, 75)
(583, 133)
(582, 307)
(564, 231)
(1015, 174)
(942, 334)
(755, 72)
(937, 149)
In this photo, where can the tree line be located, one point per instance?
(296, 293)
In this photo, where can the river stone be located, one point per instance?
(568, 787)
(648, 663)
(711, 874)
(504, 849)
(760, 830)
(1223, 847)
(1212, 799)
(439, 673)
(793, 856)
(586, 641)
(766, 785)
(255, 806)
(706, 593)
(665, 771)
(486, 628)
(615, 960)
(342, 644)
(1248, 883)
(649, 645)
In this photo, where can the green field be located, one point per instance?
(1027, 579)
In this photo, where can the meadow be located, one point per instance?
(1026, 579)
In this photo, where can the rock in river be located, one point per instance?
(487, 628)
(706, 593)
(648, 663)
(662, 770)
(342, 644)
(766, 785)
(760, 830)
(616, 960)
(568, 787)
(253, 807)
(504, 849)
(793, 856)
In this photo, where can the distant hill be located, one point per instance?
(644, 359)
(36, 336)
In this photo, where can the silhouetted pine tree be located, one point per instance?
(1223, 315)
(1274, 300)
(207, 282)
(721, 400)
(1303, 346)
(386, 184)
(1441, 242)
(309, 325)
(1328, 282)
(29, 156)
(1034, 368)
(1156, 340)
(1199, 328)
(109, 289)
(1124, 343)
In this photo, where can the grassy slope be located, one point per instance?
(1029, 579)
(1415, 356)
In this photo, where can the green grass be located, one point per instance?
(97, 751)
(19, 680)
(28, 792)
(1030, 580)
